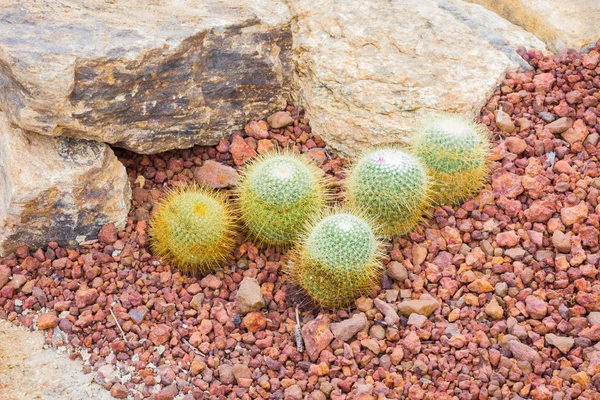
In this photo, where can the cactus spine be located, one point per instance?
(392, 187)
(193, 229)
(455, 152)
(337, 259)
(278, 193)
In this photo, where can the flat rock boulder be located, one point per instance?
(57, 189)
(559, 23)
(366, 72)
(148, 76)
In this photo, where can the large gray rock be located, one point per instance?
(145, 75)
(57, 189)
(560, 23)
(366, 71)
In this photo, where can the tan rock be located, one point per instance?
(419, 254)
(562, 343)
(559, 23)
(561, 242)
(480, 286)
(426, 305)
(148, 76)
(572, 215)
(494, 310)
(582, 378)
(57, 189)
(47, 321)
(215, 175)
(346, 329)
(249, 296)
(280, 119)
(523, 352)
(365, 75)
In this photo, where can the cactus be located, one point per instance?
(193, 228)
(278, 193)
(392, 187)
(455, 152)
(337, 259)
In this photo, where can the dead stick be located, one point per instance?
(119, 325)
(195, 350)
(298, 333)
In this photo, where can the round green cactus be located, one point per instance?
(455, 152)
(338, 260)
(193, 228)
(392, 187)
(278, 193)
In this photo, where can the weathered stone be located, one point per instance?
(560, 125)
(47, 321)
(591, 332)
(280, 119)
(241, 371)
(504, 122)
(561, 242)
(494, 310)
(147, 76)
(390, 315)
(159, 334)
(426, 305)
(562, 343)
(397, 271)
(5, 273)
(215, 175)
(561, 24)
(416, 320)
(480, 286)
(249, 297)
(366, 76)
(57, 189)
(344, 330)
(523, 352)
(536, 307)
(572, 215)
(85, 297)
(317, 336)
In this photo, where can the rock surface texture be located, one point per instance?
(366, 71)
(57, 189)
(28, 371)
(559, 23)
(147, 76)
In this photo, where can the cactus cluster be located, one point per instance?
(278, 193)
(282, 200)
(455, 152)
(193, 229)
(392, 187)
(337, 260)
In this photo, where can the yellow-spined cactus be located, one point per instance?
(455, 151)
(194, 229)
(337, 259)
(277, 194)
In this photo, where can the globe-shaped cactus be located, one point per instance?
(337, 260)
(278, 193)
(392, 187)
(193, 229)
(455, 152)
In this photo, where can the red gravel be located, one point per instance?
(515, 271)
